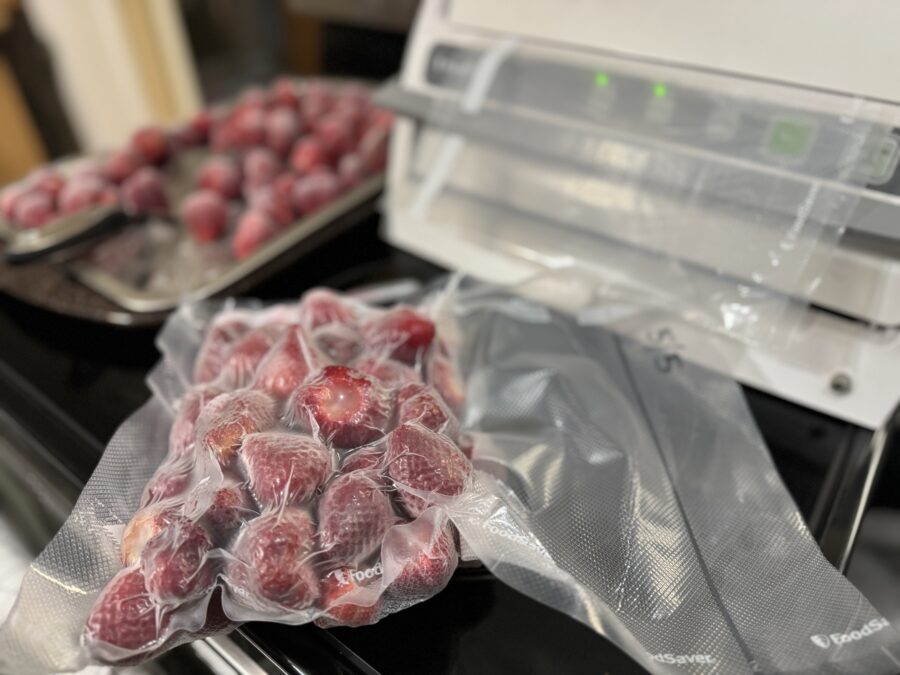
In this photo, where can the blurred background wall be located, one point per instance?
(80, 76)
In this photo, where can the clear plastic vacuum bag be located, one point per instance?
(308, 462)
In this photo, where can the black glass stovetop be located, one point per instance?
(69, 384)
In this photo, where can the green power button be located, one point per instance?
(789, 138)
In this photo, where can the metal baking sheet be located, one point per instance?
(155, 266)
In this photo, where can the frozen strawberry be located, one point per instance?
(342, 591)
(228, 418)
(254, 98)
(339, 343)
(47, 180)
(183, 136)
(152, 144)
(201, 124)
(335, 133)
(287, 365)
(348, 408)
(255, 227)
(365, 459)
(443, 376)
(145, 524)
(249, 126)
(284, 469)
(248, 352)
(272, 561)
(354, 513)
(307, 155)
(261, 166)
(373, 148)
(406, 391)
(10, 196)
(317, 101)
(428, 409)
(170, 480)
(315, 191)
(401, 332)
(420, 557)
(228, 508)
(221, 174)
(223, 137)
(279, 209)
(283, 186)
(82, 193)
(282, 129)
(219, 341)
(125, 616)
(33, 210)
(320, 306)
(175, 563)
(206, 215)
(145, 192)
(123, 164)
(350, 171)
(424, 466)
(391, 373)
(85, 168)
(284, 92)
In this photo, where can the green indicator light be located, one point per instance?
(601, 79)
(660, 90)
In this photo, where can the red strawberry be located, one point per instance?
(420, 557)
(175, 563)
(284, 469)
(221, 174)
(249, 125)
(201, 124)
(314, 191)
(284, 92)
(401, 332)
(424, 464)
(246, 355)
(350, 171)
(336, 134)
(349, 408)
(320, 307)
(339, 343)
(170, 480)
(365, 459)
(229, 507)
(408, 391)
(47, 180)
(219, 340)
(261, 166)
(122, 164)
(181, 437)
(266, 200)
(427, 408)
(283, 187)
(255, 227)
(125, 616)
(145, 192)
(443, 376)
(145, 524)
(33, 210)
(354, 514)
(282, 128)
(340, 610)
(308, 155)
(387, 371)
(287, 365)
(206, 215)
(152, 144)
(272, 561)
(228, 418)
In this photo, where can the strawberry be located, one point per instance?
(219, 341)
(340, 610)
(389, 372)
(145, 524)
(320, 307)
(144, 192)
(228, 508)
(261, 166)
(348, 408)
(282, 129)
(246, 355)
(181, 437)
(227, 419)
(125, 616)
(287, 365)
(354, 514)
(420, 557)
(308, 155)
(221, 174)
(175, 563)
(424, 465)
(255, 227)
(284, 469)
(401, 332)
(365, 459)
(339, 343)
(170, 480)
(428, 409)
(284, 92)
(152, 144)
(206, 215)
(271, 562)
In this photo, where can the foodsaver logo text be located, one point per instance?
(837, 639)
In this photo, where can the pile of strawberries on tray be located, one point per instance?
(302, 469)
(276, 155)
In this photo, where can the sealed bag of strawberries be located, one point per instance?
(312, 462)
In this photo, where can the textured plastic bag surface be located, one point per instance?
(617, 484)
